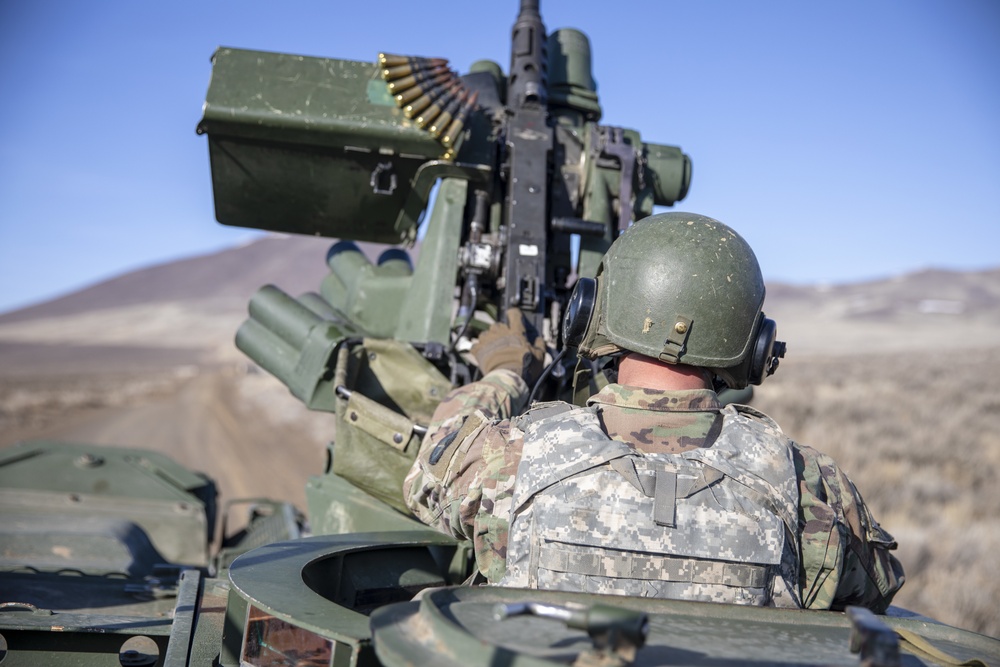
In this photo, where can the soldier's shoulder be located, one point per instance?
(553, 414)
(545, 410)
(749, 415)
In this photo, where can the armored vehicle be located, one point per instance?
(510, 187)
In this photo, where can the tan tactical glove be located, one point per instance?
(507, 346)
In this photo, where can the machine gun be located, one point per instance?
(353, 150)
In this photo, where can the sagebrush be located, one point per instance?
(919, 434)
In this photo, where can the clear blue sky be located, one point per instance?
(846, 140)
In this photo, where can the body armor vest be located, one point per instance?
(593, 514)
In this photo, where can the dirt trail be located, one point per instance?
(205, 424)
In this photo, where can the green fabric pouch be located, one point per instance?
(386, 394)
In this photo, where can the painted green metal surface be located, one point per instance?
(459, 626)
(425, 315)
(294, 142)
(130, 630)
(327, 584)
(335, 507)
(98, 509)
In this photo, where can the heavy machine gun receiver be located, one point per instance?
(530, 192)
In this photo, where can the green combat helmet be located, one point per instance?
(684, 289)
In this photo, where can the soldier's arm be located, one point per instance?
(501, 394)
(464, 472)
(845, 554)
(441, 488)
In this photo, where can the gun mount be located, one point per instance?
(352, 150)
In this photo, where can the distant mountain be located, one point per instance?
(927, 292)
(933, 309)
(173, 314)
(197, 303)
(295, 263)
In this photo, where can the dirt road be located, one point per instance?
(244, 432)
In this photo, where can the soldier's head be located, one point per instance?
(683, 289)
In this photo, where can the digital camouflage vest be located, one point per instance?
(593, 514)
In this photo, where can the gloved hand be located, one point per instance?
(507, 346)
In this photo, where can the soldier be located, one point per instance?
(654, 488)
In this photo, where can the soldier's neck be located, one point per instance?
(636, 370)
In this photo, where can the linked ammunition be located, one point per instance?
(425, 100)
(430, 94)
(437, 106)
(393, 60)
(441, 122)
(427, 115)
(399, 71)
(397, 85)
(458, 124)
(410, 94)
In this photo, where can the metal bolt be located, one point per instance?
(354, 416)
(88, 461)
(397, 438)
(680, 327)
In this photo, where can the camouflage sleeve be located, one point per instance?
(462, 480)
(501, 394)
(844, 552)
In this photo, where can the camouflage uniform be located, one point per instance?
(463, 483)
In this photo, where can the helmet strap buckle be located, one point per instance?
(674, 346)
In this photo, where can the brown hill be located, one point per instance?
(178, 312)
(907, 312)
(227, 278)
(203, 295)
(927, 292)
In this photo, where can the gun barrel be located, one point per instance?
(528, 62)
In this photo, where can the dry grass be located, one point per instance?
(920, 437)
(30, 403)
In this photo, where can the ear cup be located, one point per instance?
(579, 310)
(766, 352)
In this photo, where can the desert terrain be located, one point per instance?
(899, 380)
(148, 360)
